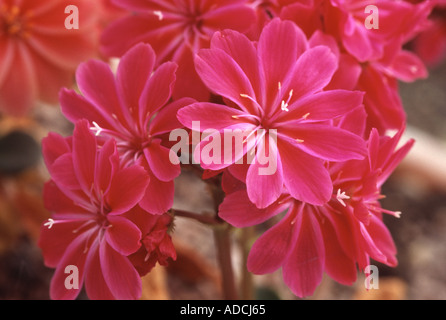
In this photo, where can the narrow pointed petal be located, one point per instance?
(238, 210)
(120, 275)
(126, 189)
(324, 105)
(159, 196)
(222, 75)
(157, 157)
(95, 285)
(305, 177)
(337, 264)
(272, 248)
(166, 120)
(75, 255)
(280, 45)
(55, 241)
(53, 146)
(209, 116)
(134, 70)
(122, 235)
(328, 143)
(161, 82)
(108, 164)
(84, 155)
(242, 50)
(304, 267)
(311, 72)
(264, 181)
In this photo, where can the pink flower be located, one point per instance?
(38, 54)
(276, 85)
(176, 30)
(96, 219)
(396, 20)
(345, 232)
(132, 107)
(430, 44)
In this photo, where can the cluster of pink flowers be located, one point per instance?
(312, 76)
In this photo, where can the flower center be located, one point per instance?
(13, 22)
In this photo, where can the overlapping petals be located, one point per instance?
(277, 85)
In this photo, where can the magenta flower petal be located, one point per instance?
(53, 146)
(121, 277)
(224, 76)
(329, 143)
(304, 267)
(264, 189)
(383, 240)
(337, 264)
(324, 105)
(62, 172)
(280, 45)
(74, 255)
(369, 246)
(161, 82)
(208, 115)
(122, 235)
(312, 72)
(126, 189)
(108, 164)
(158, 159)
(76, 107)
(84, 155)
(95, 78)
(408, 67)
(95, 285)
(164, 122)
(128, 31)
(240, 212)
(272, 248)
(63, 206)
(244, 53)
(159, 196)
(232, 16)
(55, 241)
(134, 70)
(216, 151)
(305, 178)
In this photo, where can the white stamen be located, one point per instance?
(49, 224)
(341, 196)
(244, 95)
(159, 14)
(96, 128)
(284, 105)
